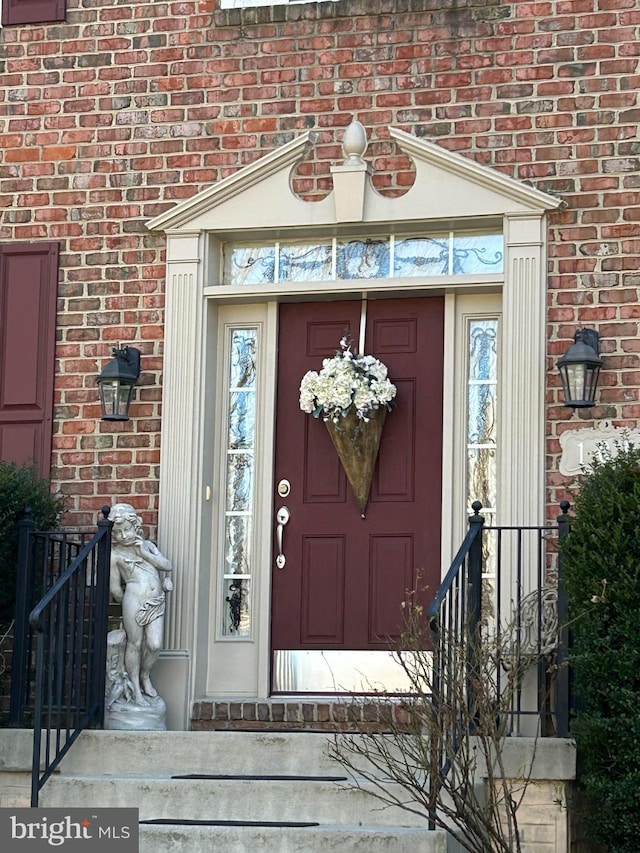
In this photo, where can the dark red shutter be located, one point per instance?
(28, 291)
(32, 11)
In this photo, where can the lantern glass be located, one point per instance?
(115, 397)
(116, 383)
(579, 384)
(579, 370)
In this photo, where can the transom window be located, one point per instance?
(389, 256)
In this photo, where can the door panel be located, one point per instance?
(391, 575)
(394, 479)
(345, 576)
(323, 565)
(323, 477)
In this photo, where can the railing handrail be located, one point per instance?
(464, 549)
(454, 570)
(69, 639)
(35, 617)
(42, 554)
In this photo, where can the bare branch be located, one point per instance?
(439, 752)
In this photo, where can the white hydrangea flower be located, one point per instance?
(308, 391)
(346, 382)
(384, 390)
(364, 400)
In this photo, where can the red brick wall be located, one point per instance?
(113, 116)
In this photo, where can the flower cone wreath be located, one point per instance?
(352, 394)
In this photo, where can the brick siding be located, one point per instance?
(331, 715)
(111, 117)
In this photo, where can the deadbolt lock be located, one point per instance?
(284, 488)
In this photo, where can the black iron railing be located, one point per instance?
(42, 558)
(502, 599)
(69, 626)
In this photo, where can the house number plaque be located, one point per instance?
(581, 446)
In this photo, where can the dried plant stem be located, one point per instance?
(442, 753)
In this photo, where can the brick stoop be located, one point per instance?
(289, 714)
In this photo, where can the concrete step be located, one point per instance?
(324, 802)
(249, 806)
(124, 753)
(317, 839)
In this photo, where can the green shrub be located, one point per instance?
(21, 486)
(602, 580)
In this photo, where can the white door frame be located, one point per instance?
(448, 188)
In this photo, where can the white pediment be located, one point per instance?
(447, 186)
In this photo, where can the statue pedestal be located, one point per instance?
(130, 717)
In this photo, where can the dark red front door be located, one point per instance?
(345, 576)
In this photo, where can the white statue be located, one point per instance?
(118, 684)
(135, 581)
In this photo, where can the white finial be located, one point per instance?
(354, 143)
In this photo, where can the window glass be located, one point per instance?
(362, 259)
(422, 256)
(305, 262)
(477, 253)
(250, 264)
(239, 498)
(410, 256)
(482, 416)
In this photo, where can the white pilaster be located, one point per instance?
(179, 514)
(523, 373)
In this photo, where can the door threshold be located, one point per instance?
(340, 672)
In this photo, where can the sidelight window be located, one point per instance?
(482, 416)
(482, 425)
(239, 477)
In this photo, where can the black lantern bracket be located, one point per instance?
(116, 383)
(590, 337)
(579, 369)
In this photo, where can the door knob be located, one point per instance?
(282, 517)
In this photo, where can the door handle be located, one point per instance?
(282, 517)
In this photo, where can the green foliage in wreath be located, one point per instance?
(21, 486)
(602, 580)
